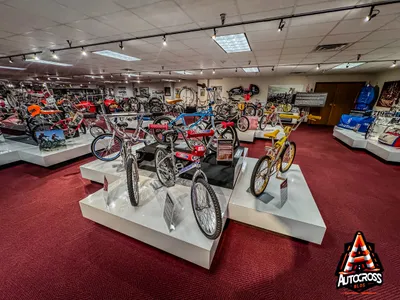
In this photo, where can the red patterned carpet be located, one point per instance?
(49, 251)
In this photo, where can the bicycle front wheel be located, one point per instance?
(132, 179)
(206, 209)
(243, 124)
(260, 176)
(263, 122)
(106, 147)
(164, 167)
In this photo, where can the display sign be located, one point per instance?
(105, 190)
(310, 99)
(284, 192)
(225, 150)
(50, 140)
(169, 211)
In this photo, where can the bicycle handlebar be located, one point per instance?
(158, 126)
(285, 116)
(313, 118)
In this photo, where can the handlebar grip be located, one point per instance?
(314, 118)
(285, 116)
(158, 126)
(227, 124)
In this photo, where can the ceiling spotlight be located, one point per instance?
(215, 34)
(318, 66)
(138, 81)
(358, 57)
(10, 60)
(372, 13)
(37, 79)
(273, 68)
(58, 78)
(121, 46)
(184, 72)
(35, 57)
(129, 75)
(139, 73)
(159, 72)
(201, 72)
(394, 64)
(126, 81)
(179, 80)
(92, 77)
(164, 41)
(111, 76)
(48, 78)
(101, 76)
(54, 55)
(89, 82)
(213, 71)
(83, 52)
(282, 24)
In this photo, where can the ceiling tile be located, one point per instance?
(370, 45)
(266, 36)
(163, 14)
(69, 33)
(135, 3)
(267, 52)
(324, 5)
(359, 25)
(4, 34)
(266, 45)
(92, 8)
(381, 35)
(314, 41)
(254, 6)
(95, 27)
(267, 14)
(343, 38)
(125, 21)
(297, 50)
(316, 19)
(384, 10)
(310, 31)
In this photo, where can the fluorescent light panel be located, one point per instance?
(12, 68)
(116, 55)
(48, 62)
(130, 74)
(233, 43)
(251, 70)
(184, 72)
(348, 65)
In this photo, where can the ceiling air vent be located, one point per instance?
(297, 73)
(330, 47)
(127, 70)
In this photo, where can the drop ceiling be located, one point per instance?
(42, 25)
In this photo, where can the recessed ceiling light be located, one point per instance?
(47, 62)
(116, 55)
(349, 65)
(12, 68)
(129, 74)
(184, 72)
(251, 70)
(233, 43)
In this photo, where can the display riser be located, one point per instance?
(350, 138)
(385, 152)
(299, 217)
(222, 174)
(146, 223)
(247, 136)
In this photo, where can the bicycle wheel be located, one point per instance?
(157, 133)
(250, 110)
(263, 122)
(132, 180)
(274, 120)
(164, 167)
(177, 109)
(287, 157)
(260, 176)
(106, 147)
(243, 124)
(96, 130)
(188, 97)
(259, 112)
(149, 139)
(223, 133)
(287, 107)
(206, 208)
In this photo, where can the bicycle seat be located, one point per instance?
(173, 101)
(122, 124)
(271, 135)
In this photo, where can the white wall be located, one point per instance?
(264, 82)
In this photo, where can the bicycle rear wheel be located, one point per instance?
(164, 167)
(106, 147)
(260, 176)
(243, 124)
(132, 180)
(287, 157)
(223, 133)
(96, 130)
(206, 208)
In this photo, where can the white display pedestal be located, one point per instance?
(385, 152)
(146, 223)
(299, 217)
(247, 136)
(15, 151)
(350, 137)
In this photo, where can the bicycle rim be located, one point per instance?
(262, 176)
(288, 157)
(95, 131)
(164, 168)
(243, 124)
(107, 147)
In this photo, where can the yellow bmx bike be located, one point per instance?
(278, 158)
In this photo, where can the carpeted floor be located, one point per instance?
(49, 251)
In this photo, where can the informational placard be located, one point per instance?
(50, 140)
(105, 190)
(225, 150)
(284, 192)
(310, 99)
(169, 211)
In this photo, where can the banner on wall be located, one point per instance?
(390, 94)
(283, 93)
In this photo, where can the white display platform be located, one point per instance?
(350, 137)
(146, 222)
(385, 152)
(247, 136)
(299, 217)
(15, 151)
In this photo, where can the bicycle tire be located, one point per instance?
(132, 180)
(94, 128)
(214, 201)
(250, 110)
(259, 112)
(225, 131)
(168, 165)
(370, 129)
(253, 191)
(243, 124)
(262, 123)
(99, 138)
(188, 97)
(287, 107)
(292, 145)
